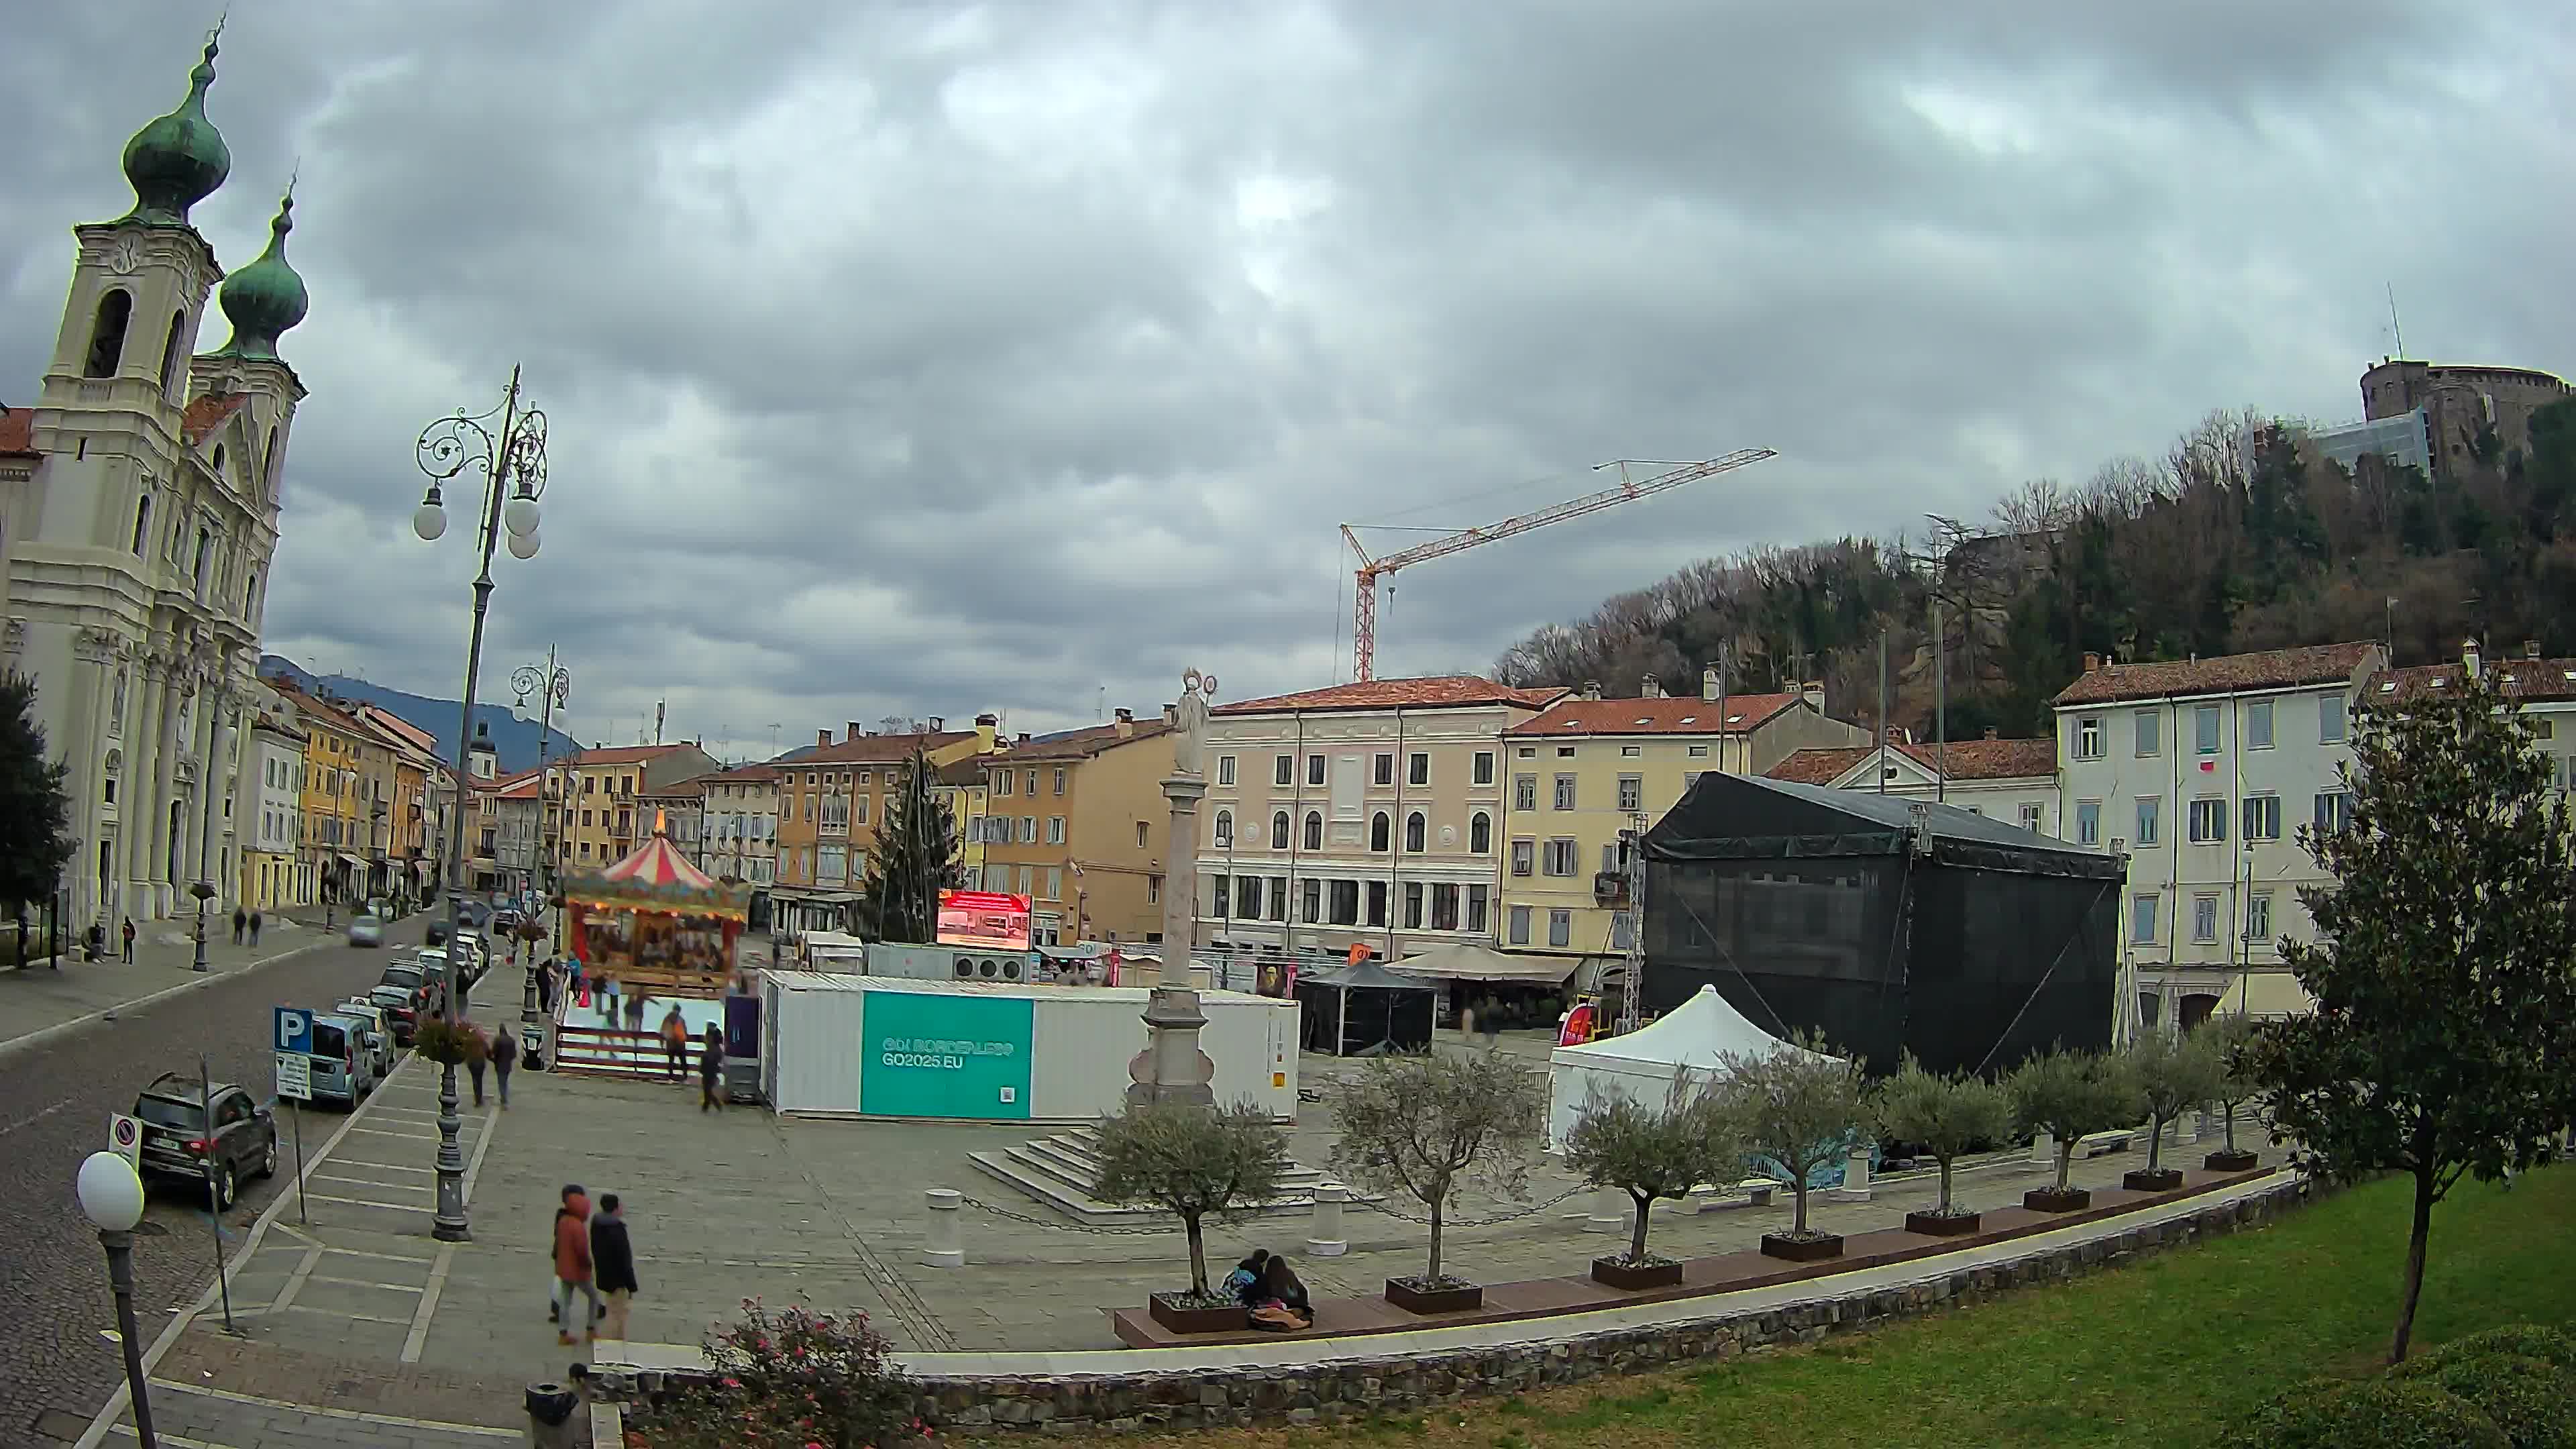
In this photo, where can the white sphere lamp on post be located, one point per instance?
(111, 1197)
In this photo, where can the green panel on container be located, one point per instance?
(933, 1054)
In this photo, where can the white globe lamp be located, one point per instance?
(111, 1195)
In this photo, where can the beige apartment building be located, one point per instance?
(598, 819)
(1589, 770)
(1367, 814)
(831, 801)
(1077, 823)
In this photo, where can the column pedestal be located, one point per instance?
(1172, 1068)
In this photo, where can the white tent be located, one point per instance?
(1641, 1065)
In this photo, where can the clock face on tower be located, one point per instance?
(125, 254)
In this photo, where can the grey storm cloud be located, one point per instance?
(929, 359)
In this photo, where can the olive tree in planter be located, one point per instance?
(1428, 1126)
(1652, 1153)
(2172, 1077)
(2069, 1095)
(1946, 1117)
(2227, 1038)
(1798, 1105)
(1194, 1164)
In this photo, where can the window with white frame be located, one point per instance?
(2258, 917)
(1028, 830)
(1315, 829)
(2333, 810)
(2258, 725)
(2088, 822)
(1278, 830)
(2208, 822)
(1560, 928)
(1284, 770)
(1699, 752)
(1413, 905)
(1314, 769)
(1310, 904)
(1480, 833)
(1055, 830)
(2030, 817)
(1632, 793)
(1381, 831)
(2142, 920)
(2204, 730)
(2330, 719)
(2204, 919)
(1519, 934)
(1415, 829)
(1224, 829)
(830, 865)
(2088, 737)
(1525, 792)
(1417, 768)
(2149, 728)
(1059, 779)
(2151, 820)
(2262, 817)
(1524, 855)
(1382, 768)
(1484, 774)
(1562, 858)
(1565, 792)
(1055, 883)
(1476, 907)
(1225, 769)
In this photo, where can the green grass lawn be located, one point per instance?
(2162, 1353)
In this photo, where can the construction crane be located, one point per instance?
(1364, 603)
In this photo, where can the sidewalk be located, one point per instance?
(43, 999)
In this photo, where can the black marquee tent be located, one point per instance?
(1365, 1009)
(1888, 924)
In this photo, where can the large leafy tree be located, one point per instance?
(35, 815)
(915, 858)
(2443, 1043)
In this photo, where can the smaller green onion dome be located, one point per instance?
(267, 297)
(179, 159)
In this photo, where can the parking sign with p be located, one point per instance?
(294, 1030)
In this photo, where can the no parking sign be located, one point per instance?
(125, 1138)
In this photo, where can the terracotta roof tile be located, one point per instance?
(745, 775)
(207, 412)
(1436, 691)
(1081, 744)
(1967, 760)
(2224, 674)
(880, 749)
(1692, 716)
(2524, 679)
(620, 755)
(18, 430)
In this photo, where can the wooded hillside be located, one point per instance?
(2238, 538)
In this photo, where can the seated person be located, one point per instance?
(1282, 1303)
(1245, 1281)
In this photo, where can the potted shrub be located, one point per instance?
(1194, 1164)
(1651, 1153)
(1946, 1116)
(2172, 1077)
(790, 1377)
(2227, 1037)
(1427, 1126)
(1798, 1105)
(2069, 1094)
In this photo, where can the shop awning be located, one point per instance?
(1469, 962)
(353, 860)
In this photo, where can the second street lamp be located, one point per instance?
(513, 464)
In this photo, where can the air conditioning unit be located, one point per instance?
(949, 963)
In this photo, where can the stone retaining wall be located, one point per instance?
(1399, 1383)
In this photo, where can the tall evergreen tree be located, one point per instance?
(2443, 1043)
(914, 860)
(35, 814)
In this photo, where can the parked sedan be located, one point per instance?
(179, 1143)
(402, 1009)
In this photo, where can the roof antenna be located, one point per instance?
(2393, 327)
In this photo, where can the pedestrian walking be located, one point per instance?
(573, 1268)
(711, 1071)
(605, 997)
(254, 928)
(675, 1043)
(635, 1011)
(474, 1063)
(546, 986)
(613, 1262)
(505, 1060)
(129, 940)
(241, 924)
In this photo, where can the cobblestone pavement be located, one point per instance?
(55, 1098)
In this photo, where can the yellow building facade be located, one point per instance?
(831, 803)
(1079, 825)
(961, 787)
(333, 843)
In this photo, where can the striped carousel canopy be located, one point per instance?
(656, 877)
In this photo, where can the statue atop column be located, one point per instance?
(1189, 745)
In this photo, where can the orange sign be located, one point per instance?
(1578, 1026)
(1359, 953)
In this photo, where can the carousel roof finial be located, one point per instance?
(658, 819)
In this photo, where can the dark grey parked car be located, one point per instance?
(178, 1143)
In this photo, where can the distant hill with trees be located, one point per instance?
(514, 741)
(2239, 537)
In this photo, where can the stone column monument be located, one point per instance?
(1171, 1068)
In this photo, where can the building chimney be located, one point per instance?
(2092, 661)
(1024, 737)
(1592, 689)
(1990, 732)
(1172, 715)
(1651, 688)
(822, 738)
(855, 731)
(2530, 648)
(2469, 657)
(1126, 723)
(1708, 685)
(1814, 694)
(938, 724)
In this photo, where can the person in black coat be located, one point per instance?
(612, 1265)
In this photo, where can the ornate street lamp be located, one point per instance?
(513, 464)
(204, 891)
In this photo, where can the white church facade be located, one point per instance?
(138, 517)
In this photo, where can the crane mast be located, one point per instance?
(1364, 600)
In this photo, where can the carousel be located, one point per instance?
(654, 922)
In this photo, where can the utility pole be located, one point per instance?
(1940, 704)
(658, 706)
(1882, 711)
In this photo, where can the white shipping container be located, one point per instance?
(1082, 1039)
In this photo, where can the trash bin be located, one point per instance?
(550, 1416)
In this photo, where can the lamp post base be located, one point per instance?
(450, 1225)
(1171, 1068)
(120, 1280)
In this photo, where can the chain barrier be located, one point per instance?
(1106, 1232)
(1538, 1207)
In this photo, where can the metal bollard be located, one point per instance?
(1610, 1207)
(550, 1409)
(2043, 1151)
(945, 1246)
(1324, 1234)
(1855, 1186)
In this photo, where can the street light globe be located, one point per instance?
(519, 515)
(111, 1195)
(429, 521)
(523, 545)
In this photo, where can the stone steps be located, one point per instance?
(1063, 1172)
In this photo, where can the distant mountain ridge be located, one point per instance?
(514, 740)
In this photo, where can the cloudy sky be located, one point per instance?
(925, 359)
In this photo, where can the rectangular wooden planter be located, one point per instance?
(2226, 1161)
(1802, 1250)
(1616, 1274)
(1434, 1300)
(2162, 1179)
(2050, 1200)
(1936, 1225)
(1231, 1318)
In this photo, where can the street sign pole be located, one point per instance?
(297, 1109)
(214, 1200)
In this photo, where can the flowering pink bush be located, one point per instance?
(793, 1379)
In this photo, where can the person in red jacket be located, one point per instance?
(573, 1267)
